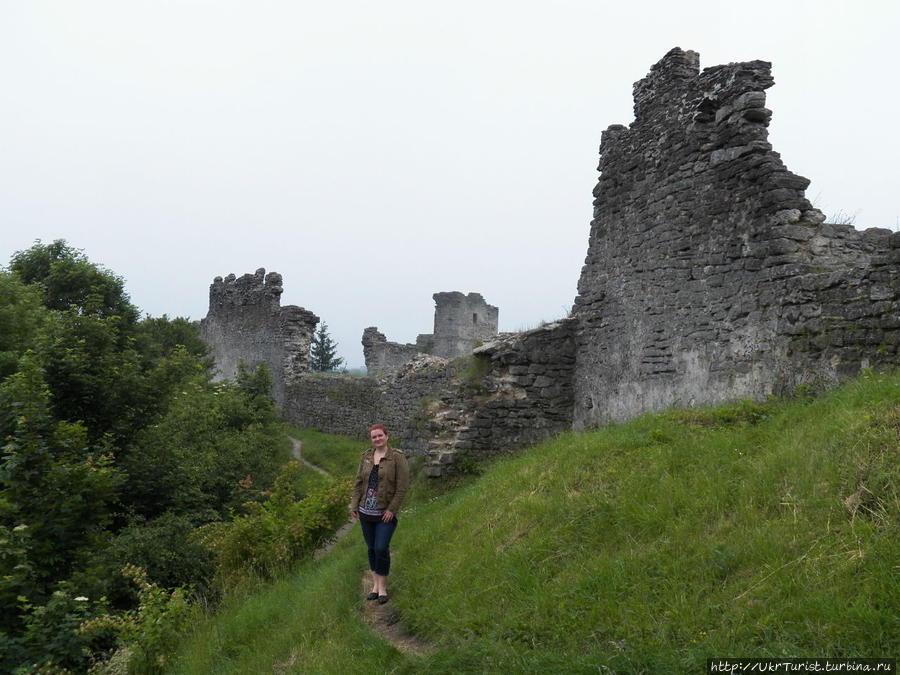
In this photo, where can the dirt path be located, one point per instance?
(296, 448)
(384, 619)
(297, 452)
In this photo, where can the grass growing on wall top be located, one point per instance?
(747, 530)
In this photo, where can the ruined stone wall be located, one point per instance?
(515, 390)
(461, 322)
(246, 322)
(334, 403)
(709, 276)
(384, 357)
(511, 392)
(347, 405)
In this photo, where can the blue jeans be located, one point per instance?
(378, 538)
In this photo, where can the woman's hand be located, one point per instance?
(387, 516)
(355, 514)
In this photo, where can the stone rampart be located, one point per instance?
(510, 392)
(246, 322)
(516, 390)
(709, 276)
(384, 357)
(343, 404)
(461, 322)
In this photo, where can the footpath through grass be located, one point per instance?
(338, 455)
(749, 530)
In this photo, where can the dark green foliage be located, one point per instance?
(157, 337)
(68, 280)
(102, 366)
(146, 637)
(323, 356)
(21, 315)
(51, 481)
(51, 637)
(256, 387)
(165, 549)
(93, 373)
(212, 436)
(55, 498)
(281, 530)
(116, 446)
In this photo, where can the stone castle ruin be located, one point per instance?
(461, 323)
(708, 277)
(246, 323)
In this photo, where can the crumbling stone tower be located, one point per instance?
(246, 322)
(460, 323)
(709, 276)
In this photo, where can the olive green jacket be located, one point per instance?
(393, 479)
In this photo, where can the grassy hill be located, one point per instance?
(748, 530)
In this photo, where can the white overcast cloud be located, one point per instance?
(375, 153)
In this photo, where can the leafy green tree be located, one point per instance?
(157, 337)
(68, 280)
(193, 460)
(101, 366)
(21, 315)
(54, 488)
(323, 356)
(94, 375)
(117, 445)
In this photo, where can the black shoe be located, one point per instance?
(382, 599)
(372, 596)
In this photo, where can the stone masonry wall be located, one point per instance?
(246, 322)
(511, 392)
(461, 322)
(709, 276)
(516, 390)
(342, 404)
(383, 357)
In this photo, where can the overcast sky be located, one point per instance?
(374, 153)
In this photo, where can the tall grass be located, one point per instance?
(338, 455)
(747, 530)
(308, 622)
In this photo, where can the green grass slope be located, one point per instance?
(749, 530)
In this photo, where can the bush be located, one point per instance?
(50, 641)
(278, 532)
(149, 635)
(164, 548)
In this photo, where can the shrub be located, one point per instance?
(278, 532)
(164, 548)
(148, 635)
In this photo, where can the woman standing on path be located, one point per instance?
(381, 483)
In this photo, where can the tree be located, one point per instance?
(68, 280)
(21, 315)
(323, 352)
(53, 485)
